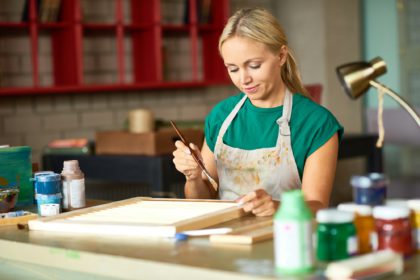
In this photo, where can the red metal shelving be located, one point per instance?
(145, 31)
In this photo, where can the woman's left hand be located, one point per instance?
(259, 202)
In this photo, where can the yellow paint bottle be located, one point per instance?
(414, 205)
(364, 225)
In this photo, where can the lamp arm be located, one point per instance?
(397, 98)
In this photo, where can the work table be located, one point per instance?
(104, 257)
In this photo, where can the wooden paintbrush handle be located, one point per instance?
(193, 153)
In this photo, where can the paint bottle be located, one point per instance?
(365, 226)
(336, 235)
(293, 245)
(34, 179)
(400, 202)
(414, 205)
(393, 227)
(48, 193)
(73, 185)
(369, 189)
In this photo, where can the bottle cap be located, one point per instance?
(359, 209)
(334, 216)
(414, 204)
(293, 205)
(71, 165)
(42, 173)
(390, 212)
(396, 202)
(371, 180)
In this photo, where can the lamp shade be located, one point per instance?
(355, 77)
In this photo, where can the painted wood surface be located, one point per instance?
(142, 217)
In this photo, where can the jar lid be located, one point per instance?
(362, 210)
(42, 173)
(334, 216)
(396, 202)
(390, 212)
(414, 204)
(371, 180)
(48, 177)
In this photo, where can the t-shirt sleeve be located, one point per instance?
(327, 126)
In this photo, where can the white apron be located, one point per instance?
(273, 169)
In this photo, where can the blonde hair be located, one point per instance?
(260, 25)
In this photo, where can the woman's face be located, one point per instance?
(255, 70)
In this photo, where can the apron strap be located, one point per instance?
(284, 120)
(226, 124)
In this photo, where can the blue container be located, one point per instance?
(369, 189)
(47, 182)
(49, 204)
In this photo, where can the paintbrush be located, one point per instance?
(195, 157)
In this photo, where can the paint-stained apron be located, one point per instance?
(273, 169)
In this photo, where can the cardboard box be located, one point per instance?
(150, 143)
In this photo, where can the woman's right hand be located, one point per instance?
(184, 162)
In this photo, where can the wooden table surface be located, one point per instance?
(149, 258)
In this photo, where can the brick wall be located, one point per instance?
(36, 120)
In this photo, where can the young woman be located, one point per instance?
(269, 138)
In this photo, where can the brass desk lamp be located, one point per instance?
(357, 77)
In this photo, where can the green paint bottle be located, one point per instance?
(293, 247)
(336, 235)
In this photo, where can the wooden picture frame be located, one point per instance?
(142, 216)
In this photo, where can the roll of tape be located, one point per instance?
(141, 120)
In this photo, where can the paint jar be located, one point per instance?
(293, 235)
(399, 202)
(369, 189)
(365, 226)
(393, 228)
(73, 185)
(414, 205)
(336, 235)
(48, 204)
(47, 182)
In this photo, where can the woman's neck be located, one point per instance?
(276, 99)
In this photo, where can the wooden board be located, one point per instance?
(249, 234)
(18, 220)
(142, 217)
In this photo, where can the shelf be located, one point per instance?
(7, 25)
(209, 28)
(18, 91)
(176, 28)
(99, 26)
(54, 25)
(114, 45)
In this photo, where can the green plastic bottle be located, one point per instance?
(293, 247)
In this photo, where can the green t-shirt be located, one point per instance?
(311, 126)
